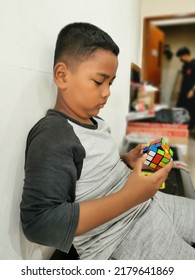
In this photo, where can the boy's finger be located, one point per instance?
(168, 166)
(139, 146)
(163, 172)
(139, 163)
(139, 149)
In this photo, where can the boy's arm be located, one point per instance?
(49, 214)
(136, 190)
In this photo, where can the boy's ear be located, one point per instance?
(60, 75)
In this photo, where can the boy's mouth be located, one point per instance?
(101, 105)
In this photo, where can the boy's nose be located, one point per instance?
(106, 92)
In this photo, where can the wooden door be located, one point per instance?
(152, 57)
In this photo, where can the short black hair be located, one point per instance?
(183, 51)
(79, 40)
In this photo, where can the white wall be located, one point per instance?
(166, 7)
(28, 31)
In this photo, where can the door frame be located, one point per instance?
(146, 23)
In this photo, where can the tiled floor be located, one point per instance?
(190, 159)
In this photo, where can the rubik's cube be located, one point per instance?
(159, 154)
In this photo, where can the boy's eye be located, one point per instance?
(97, 83)
(100, 83)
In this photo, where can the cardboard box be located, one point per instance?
(145, 98)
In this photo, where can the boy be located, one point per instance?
(77, 188)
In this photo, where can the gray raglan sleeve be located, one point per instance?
(49, 215)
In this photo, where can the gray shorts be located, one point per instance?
(165, 231)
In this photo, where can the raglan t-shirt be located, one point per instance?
(67, 163)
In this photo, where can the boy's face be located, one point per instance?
(88, 87)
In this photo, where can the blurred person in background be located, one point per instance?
(187, 90)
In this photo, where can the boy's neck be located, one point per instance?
(64, 109)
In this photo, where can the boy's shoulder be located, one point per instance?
(51, 122)
(54, 135)
(52, 128)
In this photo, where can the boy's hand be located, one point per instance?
(131, 157)
(140, 188)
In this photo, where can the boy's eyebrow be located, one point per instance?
(105, 76)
